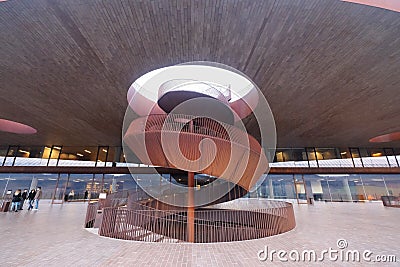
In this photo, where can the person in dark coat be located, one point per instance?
(31, 198)
(86, 195)
(24, 196)
(15, 200)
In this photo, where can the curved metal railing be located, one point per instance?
(223, 93)
(225, 222)
(155, 135)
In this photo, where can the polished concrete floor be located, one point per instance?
(54, 236)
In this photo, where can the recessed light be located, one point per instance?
(343, 153)
(105, 150)
(79, 154)
(87, 151)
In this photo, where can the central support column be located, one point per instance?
(190, 209)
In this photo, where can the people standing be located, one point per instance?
(15, 200)
(86, 195)
(31, 198)
(71, 195)
(24, 196)
(38, 196)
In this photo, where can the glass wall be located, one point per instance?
(329, 187)
(108, 156)
(277, 186)
(337, 157)
(9, 183)
(391, 156)
(291, 157)
(319, 187)
(375, 157)
(66, 187)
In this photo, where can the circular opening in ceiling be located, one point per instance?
(16, 127)
(386, 138)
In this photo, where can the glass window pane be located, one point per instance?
(345, 158)
(102, 156)
(391, 156)
(397, 154)
(30, 156)
(77, 156)
(277, 186)
(374, 158)
(54, 154)
(374, 186)
(3, 153)
(328, 157)
(355, 154)
(290, 157)
(317, 187)
(312, 157)
(10, 157)
(393, 184)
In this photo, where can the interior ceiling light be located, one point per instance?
(343, 153)
(79, 154)
(395, 136)
(15, 127)
(57, 147)
(377, 154)
(23, 151)
(87, 151)
(105, 150)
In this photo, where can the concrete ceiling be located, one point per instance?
(329, 69)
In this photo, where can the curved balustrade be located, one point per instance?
(241, 219)
(222, 93)
(143, 223)
(233, 147)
